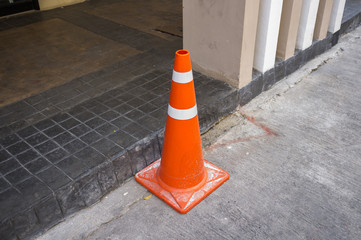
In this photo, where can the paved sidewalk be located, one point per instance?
(97, 110)
(293, 154)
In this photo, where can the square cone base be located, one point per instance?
(182, 202)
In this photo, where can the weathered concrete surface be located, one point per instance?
(295, 166)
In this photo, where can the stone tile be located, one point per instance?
(9, 166)
(70, 199)
(54, 131)
(113, 103)
(10, 200)
(160, 101)
(4, 155)
(95, 122)
(9, 140)
(84, 116)
(54, 178)
(33, 190)
(28, 131)
(75, 111)
(150, 123)
(147, 108)
(61, 117)
(64, 138)
(46, 147)
(44, 124)
(106, 129)
(18, 148)
(121, 122)
(37, 165)
(160, 114)
(80, 130)
(36, 117)
(122, 168)
(72, 166)
(107, 179)
(122, 138)
(134, 114)
(41, 106)
(136, 130)
(50, 111)
(27, 156)
(91, 137)
(7, 231)
(137, 160)
(107, 147)
(26, 224)
(36, 139)
(34, 99)
(99, 108)
(75, 146)
(3, 184)
(138, 91)
(90, 157)
(124, 108)
(109, 115)
(125, 97)
(69, 123)
(5, 131)
(90, 191)
(18, 125)
(136, 102)
(17, 176)
(57, 155)
(48, 211)
(160, 91)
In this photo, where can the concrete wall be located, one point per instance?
(228, 39)
(213, 31)
(50, 4)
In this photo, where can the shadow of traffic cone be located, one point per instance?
(182, 178)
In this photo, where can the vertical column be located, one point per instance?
(291, 13)
(323, 19)
(220, 36)
(250, 21)
(267, 34)
(336, 15)
(307, 23)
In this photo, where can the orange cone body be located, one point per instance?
(182, 178)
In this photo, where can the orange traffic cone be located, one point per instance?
(182, 178)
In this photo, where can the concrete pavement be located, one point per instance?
(294, 156)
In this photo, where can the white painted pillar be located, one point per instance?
(336, 15)
(307, 24)
(267, 34)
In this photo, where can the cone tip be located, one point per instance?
(182, 52)
(182, 61)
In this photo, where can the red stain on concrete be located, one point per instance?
(260, 125)
(267, 130)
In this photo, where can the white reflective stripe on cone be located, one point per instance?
(182, 77)
(182, 114)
